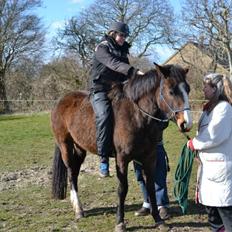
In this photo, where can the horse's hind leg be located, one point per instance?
(78, 159)
(73, 157)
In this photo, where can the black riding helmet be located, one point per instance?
(120, 27)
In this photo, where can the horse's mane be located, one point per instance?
(135, 87)
(116, 93)
(140, 85)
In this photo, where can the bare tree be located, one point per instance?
(20, 77)
(78, 37)
(151, 23)
(211, 25)
(58, 77)
(21, 35)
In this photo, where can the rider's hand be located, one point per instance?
(139, 72)
(133, 72)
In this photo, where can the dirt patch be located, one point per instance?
(22, 178)
(41, 175)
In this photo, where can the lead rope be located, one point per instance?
(182, 177)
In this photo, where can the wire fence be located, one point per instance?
(34, 106)
(28, 106)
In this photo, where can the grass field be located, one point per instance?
(26, 153)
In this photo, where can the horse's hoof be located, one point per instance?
(163, 227)
(79, 215)
(121, 227)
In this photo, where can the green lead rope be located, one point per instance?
(182, 177)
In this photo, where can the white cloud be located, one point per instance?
(53, 27)
(76, 1)
(82, 3)
(57, 24)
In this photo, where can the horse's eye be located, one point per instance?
(171, 92)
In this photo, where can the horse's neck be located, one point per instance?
(143, 109)
(122, 103)
(148, 104)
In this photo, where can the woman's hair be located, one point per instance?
(222, 84)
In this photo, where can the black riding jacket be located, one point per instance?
(110, 64)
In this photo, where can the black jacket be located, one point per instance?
(110, 64)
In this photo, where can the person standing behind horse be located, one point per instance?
(110, 65)
(214, 145)
(160, 177)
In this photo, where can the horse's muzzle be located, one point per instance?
(185, 127)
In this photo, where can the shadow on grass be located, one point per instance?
(110, 210)
(100, 211)
(193, 209)
(175, 210)
(172, 225)
(189, 224)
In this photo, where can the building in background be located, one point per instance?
(200, 62)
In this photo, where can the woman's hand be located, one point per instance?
(190, 145)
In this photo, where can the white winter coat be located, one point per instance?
(214, 143)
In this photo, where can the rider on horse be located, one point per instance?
(110, 65)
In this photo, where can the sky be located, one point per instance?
(54, 13)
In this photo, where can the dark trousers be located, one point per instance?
(104, 123)
(219, 217)
(160, 178)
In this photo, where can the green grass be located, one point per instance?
(26, 142)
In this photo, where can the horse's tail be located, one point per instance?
(59, 176)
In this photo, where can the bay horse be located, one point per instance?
(137, 105)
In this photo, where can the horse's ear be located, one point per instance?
(186, 70)
(162, 70)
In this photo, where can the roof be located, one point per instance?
(204, 49)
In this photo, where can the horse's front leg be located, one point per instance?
(122, 170)
(149, 171)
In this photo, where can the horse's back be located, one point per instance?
(68, 104)
(73, 117)
(70, 100)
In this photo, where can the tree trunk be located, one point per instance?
(229, 55)
(4, 104)
(230, 67)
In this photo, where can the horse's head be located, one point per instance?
(166, 89)
(172, 95)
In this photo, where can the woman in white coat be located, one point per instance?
(214, 145)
